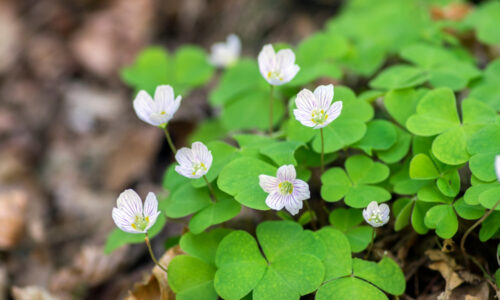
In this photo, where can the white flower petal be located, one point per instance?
(324, 96)
(130, 203)
(285, 58)
(304, 118)
(201, 153)
(269, 183)
(334, 111)
(497, 166)
(122, 221)
(286, 172)
(234, 44)
(301, 190)
(267, 60)
(372, 207)
(152, 221)
(172, 109)
(187, 172)
(289, 73)
(144, 106)
(164, 98)
(275, 201)
(292, 205)
(306, 101)
(150, 205)
(184, 157)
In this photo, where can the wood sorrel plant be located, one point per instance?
(402, 144)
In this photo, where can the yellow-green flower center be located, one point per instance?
(199, 167)
(285, 187)
(376, 217)
(319, 116)
(140, 223)
(274, 74)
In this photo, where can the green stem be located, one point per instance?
(322, 151)
(464, 237)
(169, 140)
(271, 111)
(212, 192)
(146, 239)
(371, 244)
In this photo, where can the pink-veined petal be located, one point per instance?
(324, 95)
(152, 221)
(185, 157)
(186, 171)
(334, 111)
(150, 205)
(306, 101)
(292, 205)
(286, 172)
(301, 190)
(289, 73)
(304, 118)
(285, 58)
(268, 183)
(201, 152)
(384, 211)
(275, 201)
(130, 203)
(122, 221)
(372, 206)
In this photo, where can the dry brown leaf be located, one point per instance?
(12, 217)
(156, 286)
(451, 277)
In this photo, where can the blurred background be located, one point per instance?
(70, 141)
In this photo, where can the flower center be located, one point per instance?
(376, 217)
(140, 223)
(319, 116)
(163, 113)
(274, 74)
(286, 187)
(197, 167)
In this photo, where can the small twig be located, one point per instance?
(146, 239)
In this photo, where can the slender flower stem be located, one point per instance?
(146, 239)
(169, 140)
(271, 110)
(209, 185)
(322, 151)
(371, 244)
(464, 237)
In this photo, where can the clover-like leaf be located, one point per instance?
(348, 288)
(443, 219)
(282, 153)
(398, 150)
(347, 221)
(222, 154)
(402, 103)
(225, 208)
(185, 200)
(357, 188)
(240, 178)
(385, 274)
(380, 135)
(468, 212)
(484, 145)
(484, 19)
(422, 167)
(399, 77)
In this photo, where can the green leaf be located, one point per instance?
(359, 238)
(431, 193)
(403, 214)
(490, 198)
(380, 135)
(385, 274)
(203, 245)
(401, 104)
(335, 184)
(240, 178)
(207, 131)
(215, 213)
(468, 212)
(489, 227)
(240, 266)
(418, 215)
(361, 195)
(399, 77)
(236, 80)
(349, 288)
(362, 170)
(449, 183)
(251, 110)
(191, 278)
(191, 67)
(338, 260)
(484, 20)
(282, 153)
(118, 238)
(422, 167)
(344, 219)
(185, 200)
(443, 219)
(397, 151)
(436, 113)
(472, 194)
(339, 134)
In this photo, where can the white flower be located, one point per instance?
(285, 190)
(497, 166)
(129, 214)
(277, 68)
(316, 110)
(376, 215)
(194, 162)
(226, 54)
(159, 111)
